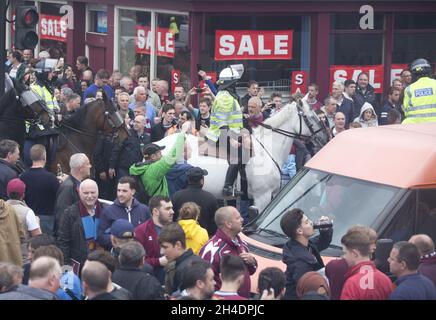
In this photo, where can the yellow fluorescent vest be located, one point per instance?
(225, 112)
(419, 103)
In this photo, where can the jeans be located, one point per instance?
(47, 224)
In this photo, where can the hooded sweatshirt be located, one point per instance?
(153, 173)
(371, 123)
(196, 236)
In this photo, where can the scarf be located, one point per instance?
(254, 121)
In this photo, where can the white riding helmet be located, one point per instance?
(230, 75)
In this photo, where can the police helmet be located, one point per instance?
(230, 75)
(420, 68)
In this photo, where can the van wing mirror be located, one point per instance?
(382, 252)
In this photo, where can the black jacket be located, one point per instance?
(206, 200)
(66, 196)
(360, 98)
(299, 259)
(129, 151)
(71, 235)
(347, 108)
(7, 173)
(102, 153)
(104, 296)
(158, 131)
(142, 285)
(182, 262)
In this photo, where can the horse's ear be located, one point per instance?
(105, 97)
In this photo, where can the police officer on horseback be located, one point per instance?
(226, 129)
(38, 132)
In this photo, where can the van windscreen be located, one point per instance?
(344, 200)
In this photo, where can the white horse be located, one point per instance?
(263, 175)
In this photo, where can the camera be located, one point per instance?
(272, 105)
(198, 90)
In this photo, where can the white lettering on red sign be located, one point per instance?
(253, 45)
(299, 82)
(164, 41)
(396, 71)
(342, 73)
(52, 28)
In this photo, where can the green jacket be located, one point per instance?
(153, 173)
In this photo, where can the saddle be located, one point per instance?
(212, 149)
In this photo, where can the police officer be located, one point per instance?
(38, 133)
(420, 97)
(226, 121)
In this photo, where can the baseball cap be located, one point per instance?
(196, 173)
(151, 148)
(122, 229)
(16, 185)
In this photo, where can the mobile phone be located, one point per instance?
(198, 90)
(198, 69)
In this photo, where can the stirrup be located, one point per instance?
(228, 191)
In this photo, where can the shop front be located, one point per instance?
(284, 45)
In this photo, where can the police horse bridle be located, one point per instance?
(111, 116)
(302, 117)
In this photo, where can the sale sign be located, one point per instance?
(253, 44)
(299, 82)
(342, 73)
(175, 79)
(164, 41)
(396, 71)
(52, 28)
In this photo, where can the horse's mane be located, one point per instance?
(77, 119)
(283, 115)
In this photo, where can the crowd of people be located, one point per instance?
(161, 239)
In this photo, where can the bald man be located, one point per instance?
(130, 151)
(339, 122)
(255, 114)
(78, 229)
(226, 240)
(96, 281)
(427, 266)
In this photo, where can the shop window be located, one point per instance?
(52, 31)
(272, 75)
(172, 46)
(97, 16)
(410, 46)
(356, 49)
(130, 53)
(415, 21)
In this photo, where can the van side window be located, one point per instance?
(401, 228)
(427, 213)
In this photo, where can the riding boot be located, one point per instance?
(232, 173)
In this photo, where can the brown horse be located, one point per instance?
(79, 133)
(17, 105)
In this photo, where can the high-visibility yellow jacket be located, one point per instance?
(45, 95)
(420, 101)
(51, 103)
(225, 112)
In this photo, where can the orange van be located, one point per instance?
(383, 177)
